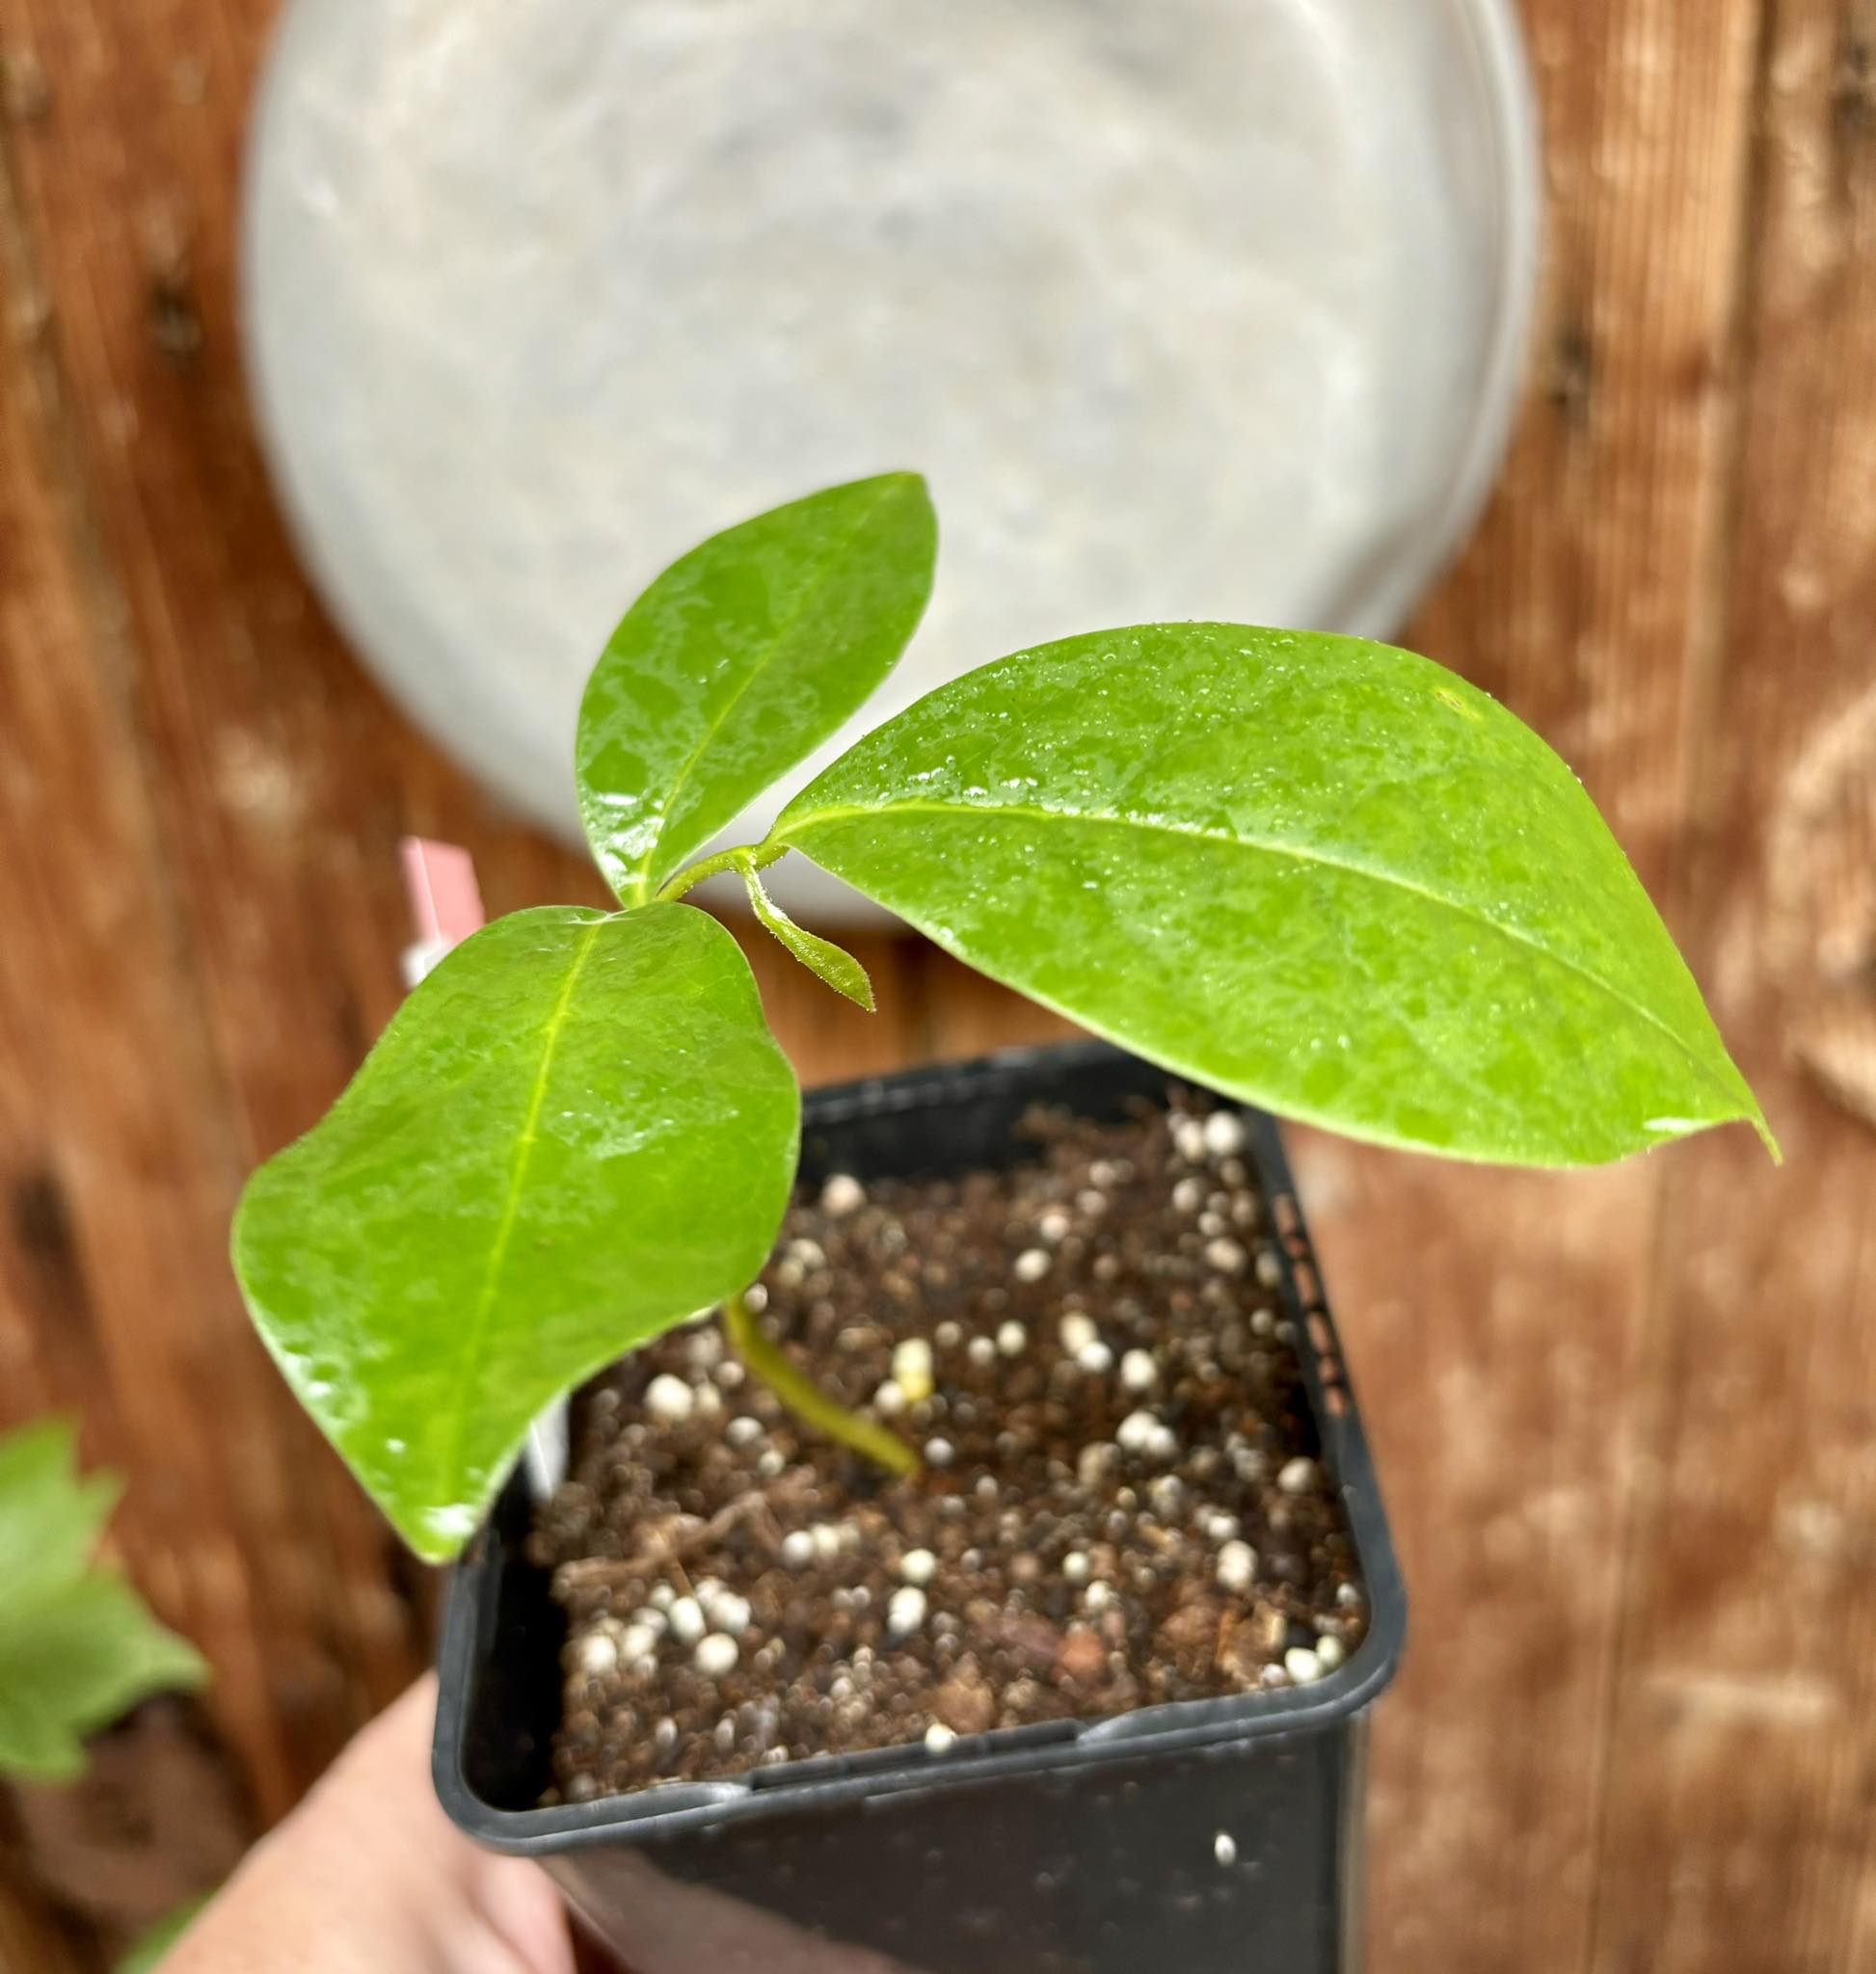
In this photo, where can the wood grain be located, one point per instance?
(1626, 1421)
(1743, 1729)
(1496, 1322)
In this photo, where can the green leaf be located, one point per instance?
(77, 1645)
(822, 959)
(147, 1952)
(739, 661)
(1322, 875)
(576, 1132)
(51, 1517)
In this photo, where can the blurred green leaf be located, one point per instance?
(575, 1133)
(1324, 875)
(738, 662)
(145, 1956)
(77, 1645)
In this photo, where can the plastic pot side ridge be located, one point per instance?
(1204, 1835)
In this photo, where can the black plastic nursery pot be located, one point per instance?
(1199, 1837)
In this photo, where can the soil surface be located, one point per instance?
(1121, 1503)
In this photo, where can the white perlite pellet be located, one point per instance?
(1303, 1666)
(939, 1453)
(1135, 1433)
(638, 1642)
(688, 1620)
(1097, 1596)
(980, 1350)
(1053, 1224)
(918, 1565)
(1095, 1358)
(1140, 1432)
(1189, 1138)
(1331, 1651)
(1299, 1475)
(1270, 1270)
(1225, 1847)
(1137, 1370)
(717, 1654)
(912, 1369)
(598, 1655)
(743, 1430)
(1012, 1339)
(1074, 1566)
(729, 1612)
(938, 1738)
(1225, 1134)
(669, 1399)
(1092, 1463)
(797, 1549)
(1218, 1526)
(1031, 1265)
(906, 1610)
(1225, 1255)
(888, 1400)
(1189, 1196)
(843, 1194)
(1077, 1331)
(1237, 1565)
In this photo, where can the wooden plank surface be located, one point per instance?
(1496, 1322)
(1627, 1421)
(1740, 1818)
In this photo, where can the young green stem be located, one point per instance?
(806, 1400)
(758, 855)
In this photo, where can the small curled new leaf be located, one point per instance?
(822, 959)
(1320, 874)
(739, 661)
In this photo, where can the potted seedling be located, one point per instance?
(969, 1558)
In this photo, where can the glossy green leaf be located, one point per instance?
(822, 959)
(77, 1645)
(1324, 875)
(575, 1133)
(738, 662)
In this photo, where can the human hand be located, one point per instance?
(368, 1875)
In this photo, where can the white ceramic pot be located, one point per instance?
(1196, 308)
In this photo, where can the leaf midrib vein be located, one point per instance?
(476, 1334)
(643, 881)
(789, 828)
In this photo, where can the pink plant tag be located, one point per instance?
(445, 902)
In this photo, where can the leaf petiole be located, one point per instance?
(806, 1400)
(674, 887)
(743, 856)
